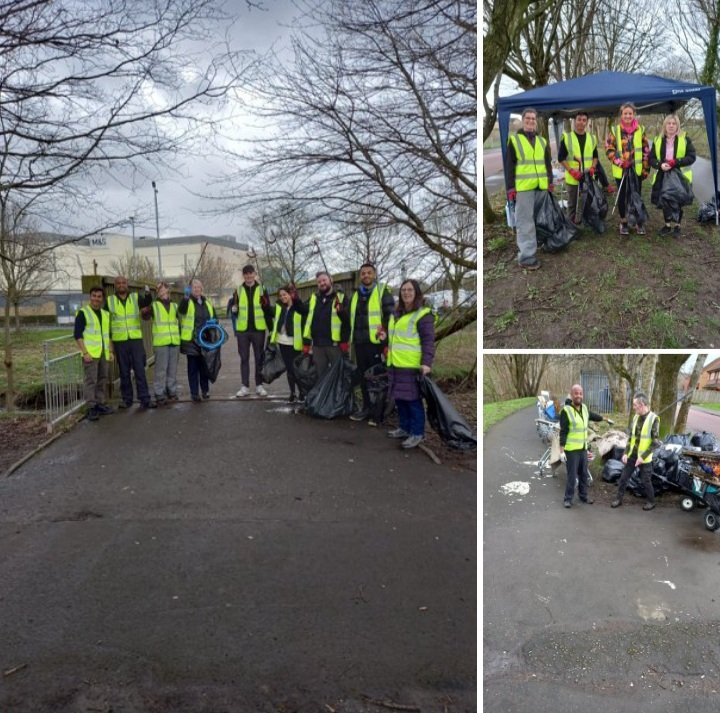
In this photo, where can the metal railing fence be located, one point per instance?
(63, 380)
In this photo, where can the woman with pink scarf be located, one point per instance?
(628, 150)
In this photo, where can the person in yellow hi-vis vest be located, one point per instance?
(92, 335)
(125, 310)
(644, 437)
(253, 321)
(166, 344)
(371, 305)
(528, 170)
(574, 420)
(628, 150)
(410, 353)
(672, 149)
(577, 153)
(327, 325)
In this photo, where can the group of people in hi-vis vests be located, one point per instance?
(328, 325)
(630, 153)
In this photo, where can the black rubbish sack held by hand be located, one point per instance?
(595, 206)
(333, 396)
(305, 372)
(452, 428)
(636, 213)
(675, 192)
(273, 364)
(211, 364)
(553, 228)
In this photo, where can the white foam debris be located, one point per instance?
(517, 487)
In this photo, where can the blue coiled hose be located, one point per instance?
(214, 325)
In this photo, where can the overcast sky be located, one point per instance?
(180, 210)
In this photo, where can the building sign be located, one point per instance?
(98, 241)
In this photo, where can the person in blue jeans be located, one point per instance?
(410, 352)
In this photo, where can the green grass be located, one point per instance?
(456, 355)
(497, 411)
(712, 407)
(27, 355)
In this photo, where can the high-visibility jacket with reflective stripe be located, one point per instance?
(187, 321)
(374, 312)
(636, 140)
(645, 433)
(242, 317)
(96, 335)
(404, 345)
(165, 328)
(572, 144)
(577, 432)
(680, 151)
(335, 323)
(124, 318)
(530, 169)
(297, 328)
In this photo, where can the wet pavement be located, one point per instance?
(236, 556)
(591, 609)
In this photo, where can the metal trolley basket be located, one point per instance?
(705, 485)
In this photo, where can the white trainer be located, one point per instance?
(260, 391)
(244, 391)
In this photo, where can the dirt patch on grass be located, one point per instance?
(18, 437)
(606, 291)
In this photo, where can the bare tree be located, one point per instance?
(215, 274)
(89, 85)
(377, 111)
(524, 371)
(286, 234)
(665, 391)
(502, 24)
(681, 418)
(136, 268)
(23, 273)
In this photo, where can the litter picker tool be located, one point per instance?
(617, 197)
(252, 254)
(319, 252)
(202, 253)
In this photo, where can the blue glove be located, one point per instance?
(188, 291)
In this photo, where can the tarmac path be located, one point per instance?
(591, 609)
(236, 556)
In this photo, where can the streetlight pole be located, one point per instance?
(157, 229)
(132, 223)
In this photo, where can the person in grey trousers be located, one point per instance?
(528, 171)
(166, 344)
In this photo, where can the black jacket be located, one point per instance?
(361, 329)
(320, 328)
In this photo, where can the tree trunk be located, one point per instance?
(665, 391)
(16, 310)
(681, 420)
(9, 368)
(490, 217)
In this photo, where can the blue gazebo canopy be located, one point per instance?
(603, 93)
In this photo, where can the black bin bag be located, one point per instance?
(305, 372)
(675, 192)
(211, 364)
(612, 470)
(333, 395)
(554, 230)
(444, 418)
(635, 210)
(273, 364)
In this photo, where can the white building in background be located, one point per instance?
(95, 255)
